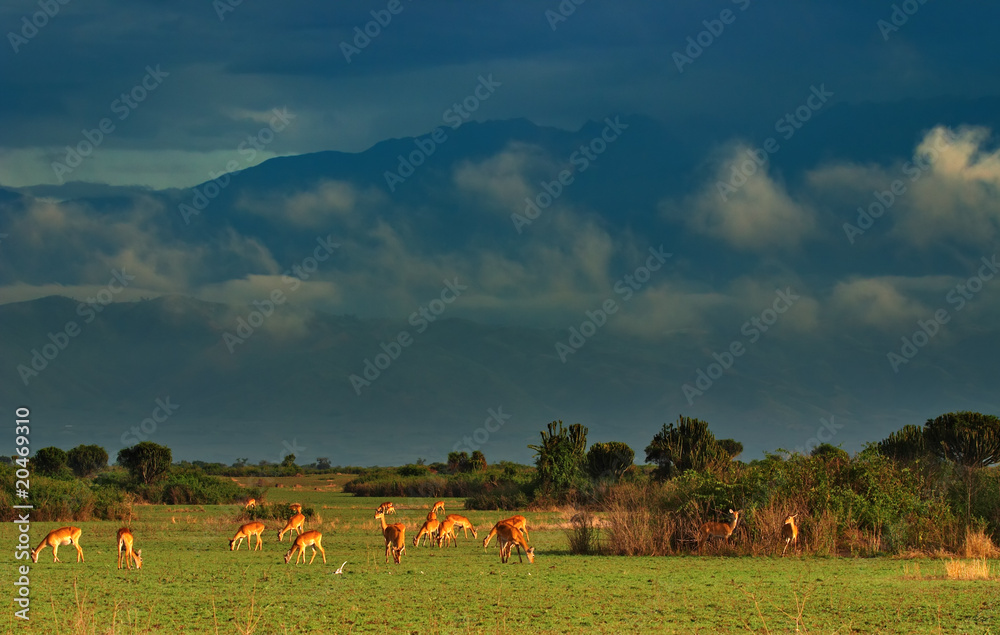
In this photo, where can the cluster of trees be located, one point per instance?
(145, 462)
(565, 465)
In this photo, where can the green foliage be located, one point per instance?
(830, 452)
(85, 460)
(609, 461)
(478, 461)
(732, 447)
(970, 439)
(906, 444)
(560, 457)
(686, 445)
(194, 487)
(413, 470)
(288, 461)
(50, 461)
(146, 461)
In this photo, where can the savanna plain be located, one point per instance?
(192, 583)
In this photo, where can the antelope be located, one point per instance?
(445, 531)
(463, 523)
(428, 529)
(517, 521)
(312, 539)
(295, 522)
(252, 503)
(722, 530)
(431, 516)
(790, 533)
(510, 536)
(438, 505)
(395, 538)
(57, 537)
(248, 531)
(295, 507)
(386, 508)
(125, 540)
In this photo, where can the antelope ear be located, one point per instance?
(139, 553)
(731, 511)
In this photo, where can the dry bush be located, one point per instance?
(977, 569)
(820, 534)
(979, 545)
(636, 524)
(584, 537)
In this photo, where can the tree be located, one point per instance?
(240, 462)
(145, 461)
(85, 460)
(609, 460)
(323, 463)
(478, 461)
(50, 461)
(458, 462)
(732, 447)
(969, 439)
(686, 445)
(288, 461)
(906, 444)
(560, 456)
(828, 452)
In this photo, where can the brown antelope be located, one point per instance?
(295, 522)
(790, 533)
(463, 523)
(125, 541)
(428, 529)
(510, 536)
(295, 507)
(438, 505)
(248, 531)
(251, 504)
(446, 531)
(60, 537)
(432, 516)
(312, 539)
(721, 530)
(517, 521)
(386, 508)
(395, 538)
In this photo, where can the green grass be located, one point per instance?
(191, 583)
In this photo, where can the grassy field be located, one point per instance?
(192, 583)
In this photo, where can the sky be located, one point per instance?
(853, 97)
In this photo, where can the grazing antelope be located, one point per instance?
(790, 533)
(428, 529)
(722, 530)
(395, 538)
(463, 523)
(125, 540)
(251, 504)
(295, 522)
(57, 538)
(438, 505)
(386, 508)
(248, 531)
(510, 536)
(517, 521)
(446, 531)
(312, 539)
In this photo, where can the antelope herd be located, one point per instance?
(511, 533)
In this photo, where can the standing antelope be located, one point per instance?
(395, 538)
(463, 523)
(722, 530)
(446, 531)
(125, 540)
(790, 533)
(248, 531)
(517, 521)
(428, 529)
(295, 522)
(510, 536)
(251, 503)
(312, 539)
(58, 537)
